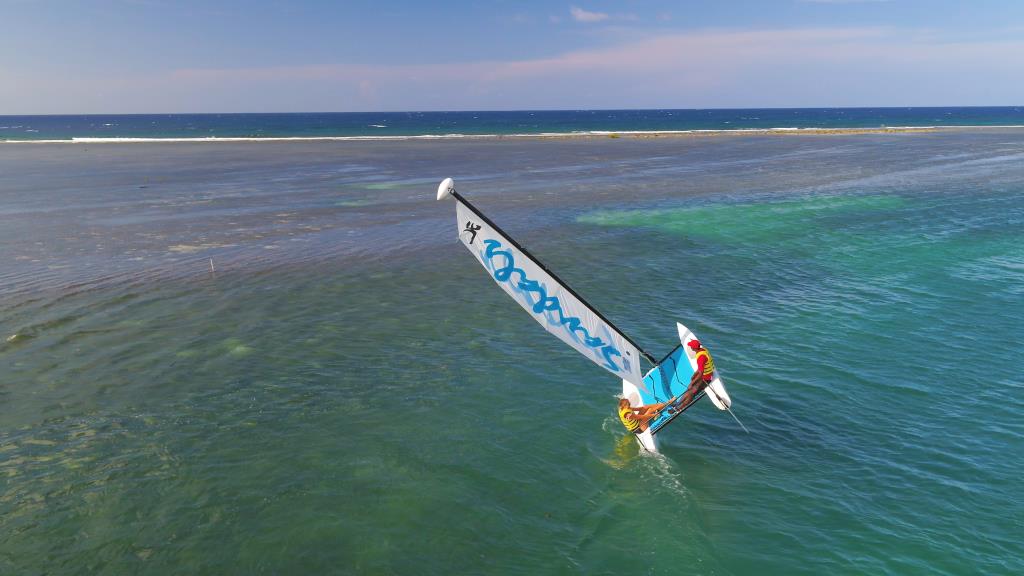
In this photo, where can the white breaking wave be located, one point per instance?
(577, 134)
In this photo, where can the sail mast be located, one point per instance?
(551, 301)
(512, 240)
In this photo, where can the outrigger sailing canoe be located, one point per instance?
(564, 313)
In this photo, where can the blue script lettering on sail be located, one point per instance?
(549, 302)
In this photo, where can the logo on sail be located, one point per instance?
(545, 303)
(472, 229)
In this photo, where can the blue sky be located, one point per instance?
(136, 56)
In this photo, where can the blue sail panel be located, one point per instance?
(670, 378)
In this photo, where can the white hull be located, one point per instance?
(716, 390)
(646, 439)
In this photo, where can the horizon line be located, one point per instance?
(886, 107)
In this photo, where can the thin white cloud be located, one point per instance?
(581, 15)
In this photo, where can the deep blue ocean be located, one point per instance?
(404, 124)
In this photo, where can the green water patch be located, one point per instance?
(383, 185)
(869, 238)
(748, 222)
(840, 271)
(396, 184)
(235, 347)
(353, 203)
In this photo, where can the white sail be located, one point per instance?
(551, 303)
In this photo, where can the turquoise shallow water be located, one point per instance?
(347, 392)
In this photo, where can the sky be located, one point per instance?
(164, 56)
